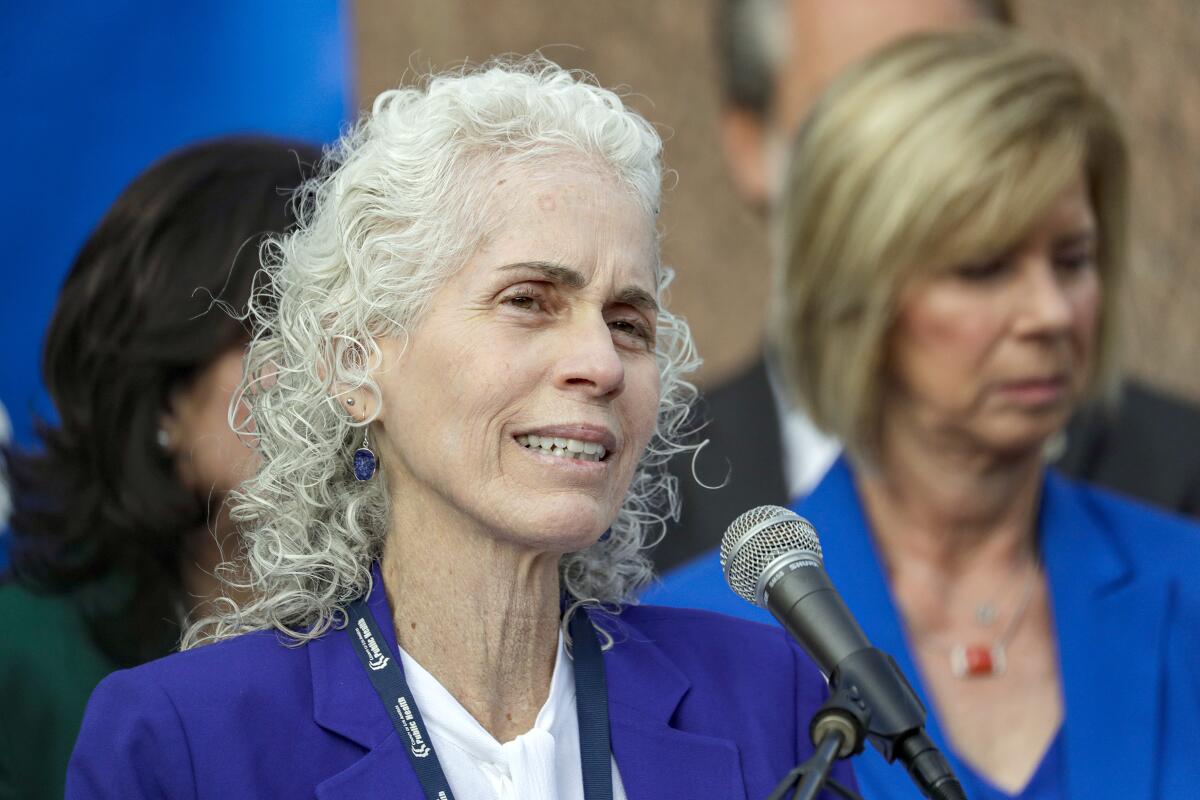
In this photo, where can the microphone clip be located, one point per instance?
(871, 689)
(887, 707)
(845, 715)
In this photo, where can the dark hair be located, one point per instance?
(746, 64)
(99, 513)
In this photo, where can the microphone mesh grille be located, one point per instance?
(757, 538)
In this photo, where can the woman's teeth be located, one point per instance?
(564, 448)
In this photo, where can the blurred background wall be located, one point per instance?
(96, 92)
(1143, 52)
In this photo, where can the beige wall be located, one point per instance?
(661, 50)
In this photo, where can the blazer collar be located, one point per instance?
(644, 690)
(655, 759)
(1111, 624)
(345, 703)
(1111, 692)
(853, 564)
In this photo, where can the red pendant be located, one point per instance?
(977, 660)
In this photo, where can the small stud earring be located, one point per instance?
(349, 401)
(364, 461)
(163, 438)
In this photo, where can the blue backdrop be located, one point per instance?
(97, 91)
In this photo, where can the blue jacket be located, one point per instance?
(700, 706)
(1125, 590)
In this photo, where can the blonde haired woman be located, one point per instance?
(953, 250)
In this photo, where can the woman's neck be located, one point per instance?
(956, 528)
(204, 550)
(480, 614)
(951, 504)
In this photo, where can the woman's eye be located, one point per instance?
(632, 330)
(1075, 262)
(982, 271)
(525, 302)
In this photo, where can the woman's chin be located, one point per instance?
(560, 530)
(1016, 440)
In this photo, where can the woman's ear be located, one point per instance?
(744, 143)
(357, 403)
(172, 421)
(167, 434)
(175, 436)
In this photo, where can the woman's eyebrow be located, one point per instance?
(1082, 236)
(638, 298)
(557, 273)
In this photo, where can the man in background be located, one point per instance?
(776, 56)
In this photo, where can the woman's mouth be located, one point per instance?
(1037, 392)
(563, 447)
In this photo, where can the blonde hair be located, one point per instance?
(400, 204)
(939, 150)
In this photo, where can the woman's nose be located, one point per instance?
(590, 361)
(1045, 304)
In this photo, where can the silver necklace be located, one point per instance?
(984, 660)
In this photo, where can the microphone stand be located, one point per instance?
(838, 730)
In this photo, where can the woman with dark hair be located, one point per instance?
(119, 520)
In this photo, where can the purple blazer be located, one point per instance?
(701, 706)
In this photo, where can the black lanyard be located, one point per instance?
(591, 704)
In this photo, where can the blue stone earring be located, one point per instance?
(364, 461)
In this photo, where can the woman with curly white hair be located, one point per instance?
(464, 395)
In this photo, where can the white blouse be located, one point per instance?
(540, 764)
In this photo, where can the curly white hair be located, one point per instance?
(398, 206)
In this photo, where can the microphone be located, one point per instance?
(772, 558)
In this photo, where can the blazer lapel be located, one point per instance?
(345, 703)
(382, 774)
(645, 688)
(853, 564)
(1112, 687)
(654, 759)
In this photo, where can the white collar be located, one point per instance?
(446, 716)
(808, 453)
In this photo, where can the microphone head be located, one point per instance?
(758, 538)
